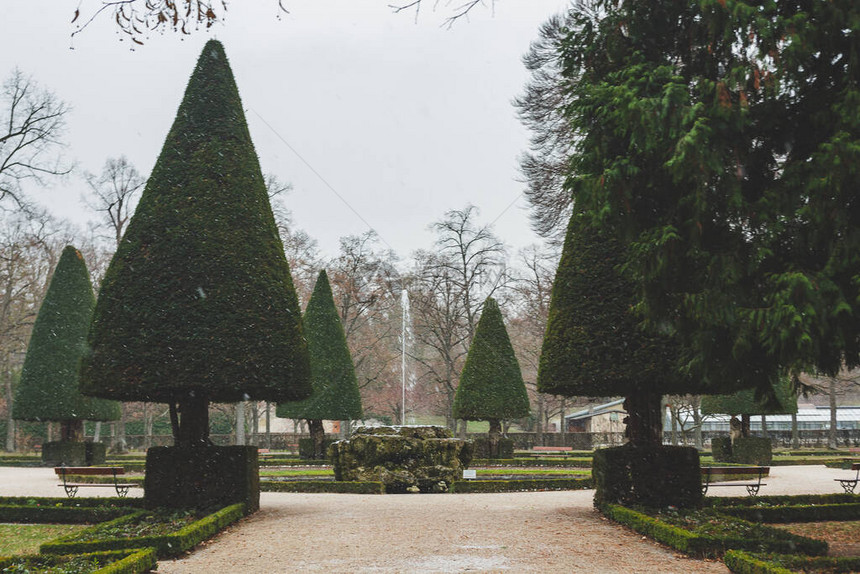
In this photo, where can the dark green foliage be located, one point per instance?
(721, 449)
(522, 485)
(752, 450)
(165, 545)
(754, 563)
(69, 453)
(491, 384)
(198, 299)
(36, 501)
(698, 544)
(134, 561)
(657, 477)
(317, 486)
(306, 448)
(335, 389)
(720, 142)
(48, 389)
(202, 477)
(505, 448)
(745, 403)
(594, 345)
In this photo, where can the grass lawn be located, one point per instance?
(843, 537)
(25, 538)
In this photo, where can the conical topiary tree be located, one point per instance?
(594, 345)
(198, 304)
(48, 390)
(491, 385)
(335, 389)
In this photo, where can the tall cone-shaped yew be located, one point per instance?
(198, 303)
(335, 389)
(48, 390)
(491, 385)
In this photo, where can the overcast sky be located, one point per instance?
(404, 120)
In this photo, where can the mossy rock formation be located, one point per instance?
(404, 459)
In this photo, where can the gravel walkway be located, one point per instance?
(522, 532)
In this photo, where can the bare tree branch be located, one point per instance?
(33, 124)
(114, 194)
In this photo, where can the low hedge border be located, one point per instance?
(786, 514)
(319, 486)
(526, 462)
(82, 502)
(133, 561)
(474, 486)
(62, 514)
(707, 546)
(781, 500)
(751, 563)
(165, 546)
(106, 480)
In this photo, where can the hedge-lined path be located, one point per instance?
(521, 532)
(511, 532)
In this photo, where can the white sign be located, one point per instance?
(469, 474)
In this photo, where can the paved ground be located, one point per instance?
(523, 532)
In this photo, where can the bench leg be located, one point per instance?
(71, 491)
(122, 490)
(704, 489)
(752, 489)
(848, 485)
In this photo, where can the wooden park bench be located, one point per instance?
(708, 472)
(849, 484)
(65, 472)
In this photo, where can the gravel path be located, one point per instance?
(522, 532)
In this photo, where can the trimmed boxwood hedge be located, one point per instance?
(782, 500)
(482, 448)
(801, 513)
(62, 514)
(316, 486)
(165, 545)
(134, 561)
(525, 462)
(708, 546)
(753, 563)
(471, 486)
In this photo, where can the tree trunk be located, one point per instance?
(72, 431)
(315, 426)
(673, 416)
(697, 421)
(561, 422)
(119, 444)
(764, 426)
(148, 417)
(268, 425)
(255, 424)
(240, 423)
(193, 421)
(831, 436)
(10, 422)
(493, 437)
(644, 418)
(97, 432)
(539, 429)
(745, 426)
(795, 435)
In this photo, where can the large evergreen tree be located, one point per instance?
(594, 344)
(48, 389)
(198, 304)
(335, 389)
(491, 385)
(783, 401)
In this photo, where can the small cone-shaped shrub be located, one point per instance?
(198, 303)
(335, 389)
(491, 385)
(48, 389)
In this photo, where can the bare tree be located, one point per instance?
(448, 290)
(137, 18)
(33, 124)
(542, 109)
(114, 194)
